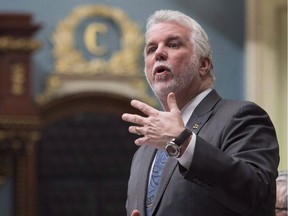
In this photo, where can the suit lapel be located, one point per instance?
(165, 178)
(203, 111)
(143, 176)
(169, 168)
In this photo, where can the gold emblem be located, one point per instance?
(91, 23)
(195, 126)
(97, 48)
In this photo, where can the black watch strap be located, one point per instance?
(182, 137)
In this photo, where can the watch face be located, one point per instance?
(172, 149)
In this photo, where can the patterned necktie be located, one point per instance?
(160, 161)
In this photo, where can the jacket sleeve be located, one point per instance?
(236, 158)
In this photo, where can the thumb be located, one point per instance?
(135, 213)
(172, 103)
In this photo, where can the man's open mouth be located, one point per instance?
(161, 69)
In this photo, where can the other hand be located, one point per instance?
(135, 213)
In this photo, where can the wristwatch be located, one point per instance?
(173, 147)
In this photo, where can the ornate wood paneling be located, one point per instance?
(19, 119)
(84, 156)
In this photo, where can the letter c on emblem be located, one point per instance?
(90, 38)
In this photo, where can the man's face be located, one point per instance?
(169, 59)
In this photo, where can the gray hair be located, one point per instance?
(282, 188)
(199, 38)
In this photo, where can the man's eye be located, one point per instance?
(151, 49)
(173, 45)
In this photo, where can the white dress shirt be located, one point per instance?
(187, 156)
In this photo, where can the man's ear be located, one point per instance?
(205, 66)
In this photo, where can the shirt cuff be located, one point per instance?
(186, 159)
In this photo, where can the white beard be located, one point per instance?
(183, 80)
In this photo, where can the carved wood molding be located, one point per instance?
(9, 43)
(19, 119)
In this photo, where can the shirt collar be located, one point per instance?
(189, 108)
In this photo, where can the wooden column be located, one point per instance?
(19, 120)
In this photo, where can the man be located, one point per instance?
(281, 194)
(223, 155)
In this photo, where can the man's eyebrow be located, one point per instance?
(150, 43)
(172, 37)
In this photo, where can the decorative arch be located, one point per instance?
(84, 155)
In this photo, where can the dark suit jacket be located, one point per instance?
(233, 170)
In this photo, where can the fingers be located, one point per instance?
(144, 108)
(134, 119)
(172, 103)
(137, 119)
(137, 131)
(148, 110)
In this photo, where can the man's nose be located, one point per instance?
(161, 54)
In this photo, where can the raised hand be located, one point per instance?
(156, 127)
